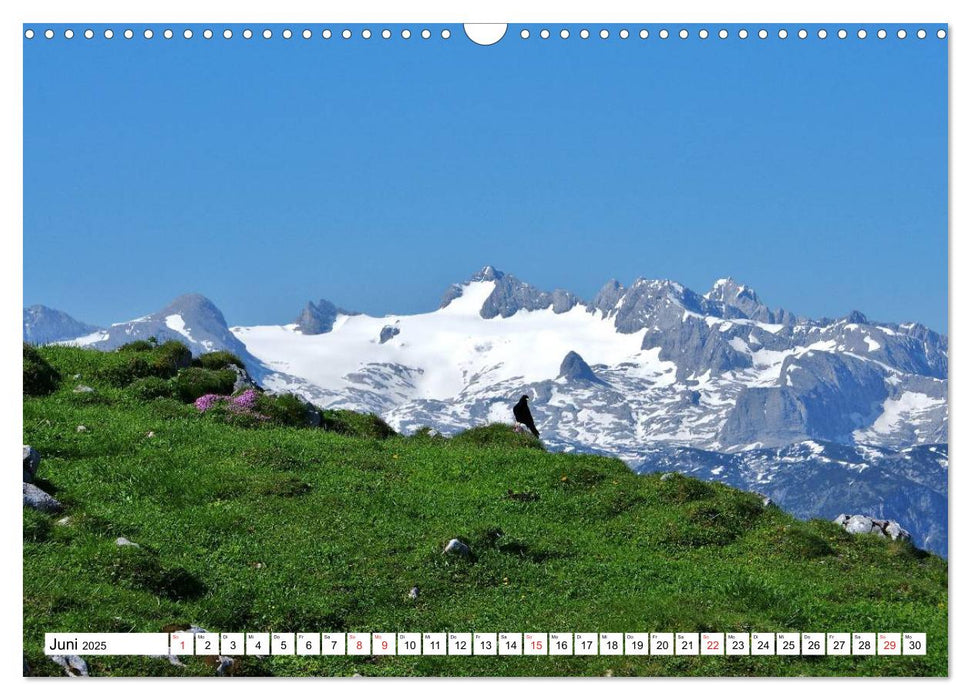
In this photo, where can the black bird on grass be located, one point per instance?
(521, 411)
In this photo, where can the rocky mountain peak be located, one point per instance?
(319, 317)
(196, 307)
(512, 295)
(855, 317)
(735, 299)
(607, 298)
(487, 274)
(574, 368)
(728, 290)
(653, 303)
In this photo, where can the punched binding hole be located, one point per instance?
(489, 34)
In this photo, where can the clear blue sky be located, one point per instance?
(375, 173)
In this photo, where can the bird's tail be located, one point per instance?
(534, 431)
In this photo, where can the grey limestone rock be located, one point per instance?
(31, 463)
(387, 333)
(457, 548)
(38, 499)
(866, 525)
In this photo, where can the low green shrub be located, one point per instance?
(150, 388)
(193, 382)
(284, 409)
(169, 357)
(137, 346)
(124, 368)
(39, 377)
(140, 359)
(221, 359)
(365, 425)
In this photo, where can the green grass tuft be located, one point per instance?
(497, 435)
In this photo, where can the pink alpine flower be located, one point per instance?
(207, 401)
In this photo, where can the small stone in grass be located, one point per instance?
(82, 429)
(125, 542)
(72, 665)
(457, 548)
(83, 389)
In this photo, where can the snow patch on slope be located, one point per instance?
(909, 407)
(84, 340)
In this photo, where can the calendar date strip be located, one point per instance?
(489, 644)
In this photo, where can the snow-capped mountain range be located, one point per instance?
(816, 413)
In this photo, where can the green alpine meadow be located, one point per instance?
(256, 513)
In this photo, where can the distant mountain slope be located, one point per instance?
(191, 319)
(810, 479)
(43, 325)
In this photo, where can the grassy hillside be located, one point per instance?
(263, 527)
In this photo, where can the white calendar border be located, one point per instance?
(891, 11)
